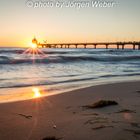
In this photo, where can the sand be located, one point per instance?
(64, 117)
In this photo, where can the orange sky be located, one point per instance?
(20, 23)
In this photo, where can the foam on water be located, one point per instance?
(63, 69)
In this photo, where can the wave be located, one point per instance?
(74, 80)
(117, 75)
(45, 51)
(11, 51)
(69, 51)
(66, 59)
(42, 83)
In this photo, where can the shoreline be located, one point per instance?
(25, 93)
(62, 115)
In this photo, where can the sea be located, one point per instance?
(54, 70)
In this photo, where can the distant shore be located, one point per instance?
(63, 116)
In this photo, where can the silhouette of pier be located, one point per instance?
(118, 45)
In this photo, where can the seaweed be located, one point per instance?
(96, 120)
(26, 116)
(126, 111)
(138, 91)
(51, 138)
(91, 114)
(101, 104)
(136, 132)
(102, 126)
(134, 124)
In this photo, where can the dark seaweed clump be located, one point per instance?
(51, 138)
(101, 103)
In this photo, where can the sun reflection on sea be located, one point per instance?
(22, 94)
(36, 92)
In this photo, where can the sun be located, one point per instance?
(34, 50)
(36, 92)
(33, 46)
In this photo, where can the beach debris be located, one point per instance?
(94, 114)
(26, 116)
(68, 107)
(134, 124)
(136, 132)
(100, 104)
(88, 122)
(96, 120)
(54, 126)
(126, 111)
(138, 91)
(101, 127)
(51, 138)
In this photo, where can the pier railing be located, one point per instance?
(107, 45)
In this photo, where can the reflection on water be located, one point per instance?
(37, 92)
(23, 94)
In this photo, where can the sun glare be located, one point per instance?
(36, 92)
(33, 46)
(34, 51)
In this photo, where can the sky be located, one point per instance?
(20, 21)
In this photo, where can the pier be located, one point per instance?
(118, 45)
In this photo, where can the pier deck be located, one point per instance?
(107, 45)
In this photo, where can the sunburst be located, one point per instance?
(34, 51)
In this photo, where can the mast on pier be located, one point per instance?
(34, 41)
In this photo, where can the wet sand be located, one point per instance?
(64, 117)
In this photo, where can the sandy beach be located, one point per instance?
(63, 116)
